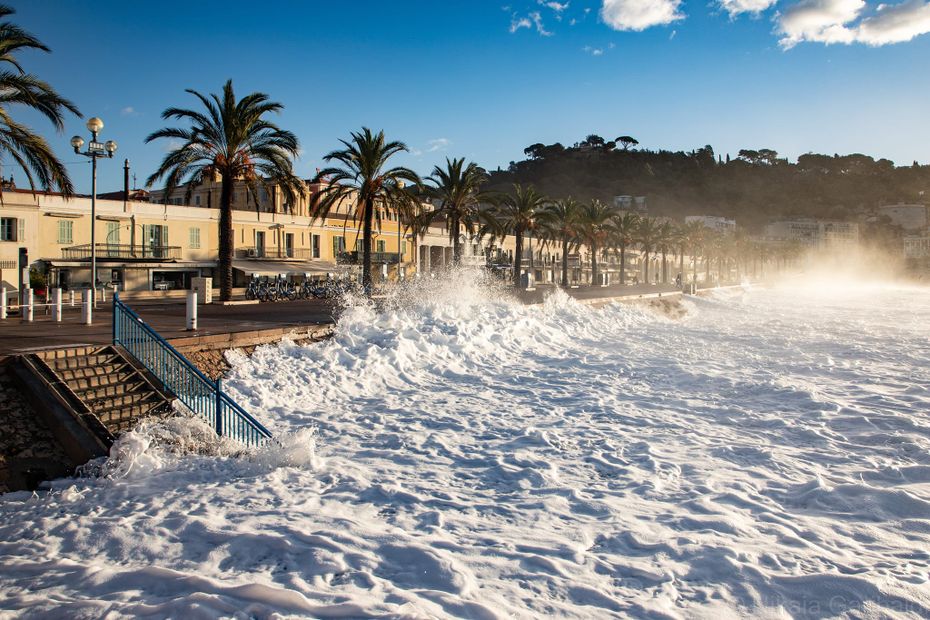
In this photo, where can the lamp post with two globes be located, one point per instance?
(94, 150)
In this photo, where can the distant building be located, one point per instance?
(631, 203)
(713, 222)
(910, 217)
(917, 247)
(814, 233)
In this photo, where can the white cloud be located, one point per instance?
(128, 111)
(594, 51)
(819, 20)
(540, 28)
(895, 24)
(835, 21)
(639, 15)
(735, 7)
(534, 19)
(439, 144)
(558, 7)
(516, 24)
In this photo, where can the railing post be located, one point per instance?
(56, 299)
(116, 318)
(71, 297)
(28, 306)
(87, 307)
(2, 302)
(219, 409)
(191, 311)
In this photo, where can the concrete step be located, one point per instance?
(82, 384)
(122, 400)
(83, 361)
(118, 419)
(129, 386)
(56, 354)
(89, 372)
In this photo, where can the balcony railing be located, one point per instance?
(276, 253)
(377, 258)
(123, 252)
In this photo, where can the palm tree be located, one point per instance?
(693, 235)
(593, 228)
(29, 150)
(647, 235)
(457, 188)
(664, 243)
(515, 215)
(231, 138)
(560, 221)
(364, 178)
(621, 235)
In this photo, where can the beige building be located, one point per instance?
(146, 246)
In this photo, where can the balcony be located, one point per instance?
(276, 253)
(114, 251)
(377, 258)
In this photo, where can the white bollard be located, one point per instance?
(87, 306)
(191, 310)
(28, 307)
(103, 294)
(56, 300)
(2, 302)
(71, 295)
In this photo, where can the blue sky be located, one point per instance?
(484, 80)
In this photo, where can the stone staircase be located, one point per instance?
(115, 390)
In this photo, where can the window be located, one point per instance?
(381, 246)
(339, 246)
(194, 238)
(315, 241)
(112, 233)
(260, 242)
(359, 245)
(197, 200)
(65, 231)
(8, 229)
(403, 248)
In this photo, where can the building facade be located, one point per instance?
(814, 234)
(144, 246)
(713, 222)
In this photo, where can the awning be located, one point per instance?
(290, 268)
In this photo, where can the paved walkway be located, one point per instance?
(168, 317)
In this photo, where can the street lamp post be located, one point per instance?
(94, 150)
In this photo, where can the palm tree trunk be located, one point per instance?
(225, 258)
(593, 264)
(366, 243)
(681, 264)
(517, 257)
(456, 244)
(646, 267)
(664, 268)
(694, 266)
(565, 262)
(622, 265)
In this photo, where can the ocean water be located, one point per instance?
(454, 454)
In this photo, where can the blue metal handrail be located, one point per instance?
(200, 394)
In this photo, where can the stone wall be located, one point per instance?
(28, 452)
(209, 355)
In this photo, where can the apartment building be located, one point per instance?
(713, 222)
(146, 246)
(816, 234)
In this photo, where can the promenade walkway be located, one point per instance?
(167, 317)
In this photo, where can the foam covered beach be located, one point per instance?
(456, 454)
